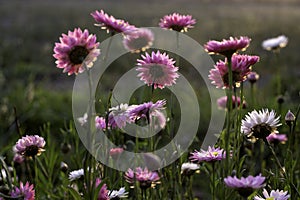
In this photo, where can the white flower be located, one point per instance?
(121, 193)
(189, 166)
(260, 124)
(275, 43)
(83, 120)
(274, 195)
(76, 174)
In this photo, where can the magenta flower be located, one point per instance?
(26, 191)
(252, 77)
(116, 152)
(277, 138)
(145, 177)
(157, 70)
(241, 67)
(211, 155)
(177, 22)
(274, 195)
(30, 146)
(110, 23)
(76, 51)
(245, 186)
(138, 40)
(227, 47)
(100, 123)
(222, 102)
(103, 193)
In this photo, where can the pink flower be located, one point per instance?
(100, 123)
(252, 77)
(274, 195)
(119, 116)
(157, 70)
(26, 191)
(211, 155)
(145, 177)
(103, 193)
(240, 69)
(227, 47)
(30, 146)
(138, 40)
(177, 22)
(110, 23)
(277, 138)
(115, 152)
(222, 102)
(76, 51)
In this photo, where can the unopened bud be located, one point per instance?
(289, 118)
(64, 167)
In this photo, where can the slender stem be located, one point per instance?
(36, 176)
(213, 181)
(278, 73)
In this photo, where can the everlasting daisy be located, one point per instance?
(259, 125)
(83, 120)
(103, 193)
(76, 51)
(116, 152)
(118, 116)
(211, 155)
(188, 169)
(252, 77)
(100, 123)
(26, 191)
(30, 146)
(245, 186)
(177, 22)
(157, 70)
(240, 66)
(76, 174)
(118, 194)
(274, 195)
(222, 102)
(227, 47)
(138, 40)
(277, 138)
(110, 23)
(145, 177)
(275, 43)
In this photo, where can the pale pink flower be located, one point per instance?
(103, 193)
(100, 123)
(277, 138)
(177, 22)
(145, 177)
(211, 155)
(222, 102)
(138, 40)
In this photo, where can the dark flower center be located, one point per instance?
(78, 54)
(235, 78)
(261, 130)
(156, 72)
(145, 184)
(31, 151)
(245, 192)
(176, 27)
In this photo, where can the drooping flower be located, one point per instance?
(260, 124)
(110, 23)
(118, 116)
(277, 138)
(252, 77)
(227, 47)
(138, 40)
(157, 70)
(145, 177)
(76, 174)
(30, 146)
(240, 66)
(274, 195)
(245, 186)
(100, 123)
(116, 152)
(211, 155)
(187, 169)
(76, 51)
(26, 191)
(177, 22)
(275, 43)
(222, 102)
(103, 193)
(118, 194)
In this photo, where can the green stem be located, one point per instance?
(213, 181)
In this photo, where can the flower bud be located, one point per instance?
(289, 118)
(65, 147)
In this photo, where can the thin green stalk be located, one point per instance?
(213, 181)
(278, 73)
(36, 177)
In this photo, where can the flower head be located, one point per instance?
(100, 123)
(76, 174)
(245, 186)
(188, 169)
(103, 193)
(277, 138)
(211, 155)
(227, 47)
(177, 22)
(260, 124)
(289, 118)
(274, 195)
(110, 23)
(138, 40)
(275, 43)
(241, 67)
(252, 77)
(118, 194)
(157, 70)
(222, 102)
(26, 191)
(145, 177)
(118, 116)
(76, 51)
(30, 146)
(116, 152)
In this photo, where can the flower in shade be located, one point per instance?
(76, 174)
(103, 192)
(222, 102)
(188, 169)
(157, 70)
(211, 155)
(30, 146)
(138, 40)
(245, 186)
(18, 158)
(274, 195)
(260, 124)
(110, 23)
(177, 22)
(145, 177)
(289, 118)
(277, 138)
(100, 123)
(118, 116)
(275, 43)
(116, 152)
(252, 77)
(76, 51)
(240, 66)
(118, 194)
(26, 191)
(227, 47)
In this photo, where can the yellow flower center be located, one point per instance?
(215, 153)
(271, 198)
